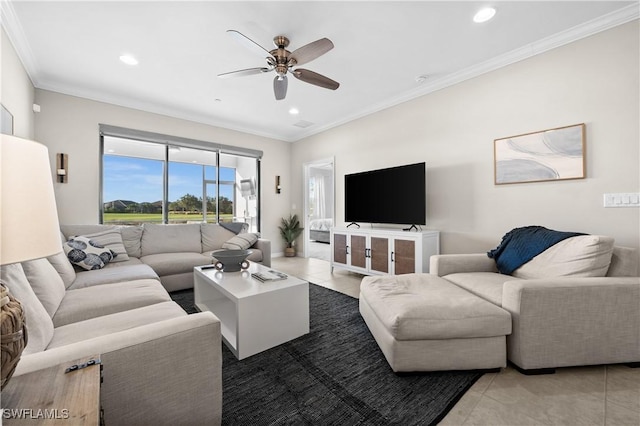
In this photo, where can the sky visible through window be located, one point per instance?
(140, 180)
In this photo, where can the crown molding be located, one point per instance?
(13, 28)
(589, 28)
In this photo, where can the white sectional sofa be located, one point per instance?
(160, 365)
(576, 303)
(561, 314)
(170, 250)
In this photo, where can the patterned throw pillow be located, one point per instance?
(111, 239)
(241, 242)
(87, 254)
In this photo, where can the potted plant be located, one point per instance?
(290, 229)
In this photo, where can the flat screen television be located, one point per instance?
(393, 195)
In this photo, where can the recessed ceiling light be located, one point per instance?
(484, 14)
(294, 111)
(421, 78)
(111, 150)
(129, 60)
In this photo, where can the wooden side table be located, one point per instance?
(53, 397)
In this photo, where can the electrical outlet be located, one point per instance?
(623, 199)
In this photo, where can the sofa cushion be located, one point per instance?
(170, 239)
(46, 283)
(90, 302)
(111, 239)
(131, 238)
(581, 256)
(240, 241)
(39, 324)
(487, 285)
(72, 230)
(86, 253)
(624, 262)
(427, 307)
(113, 323)
(65, 269)
(114, 275)
(175, 263)
(214, 236)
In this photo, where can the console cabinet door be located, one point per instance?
(340, 248)
(358, 251)
(379, 253)
(404, 256)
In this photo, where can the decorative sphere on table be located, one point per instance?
(231, 260)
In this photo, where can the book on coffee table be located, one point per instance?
(269, 275)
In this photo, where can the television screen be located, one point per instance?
(393, 195)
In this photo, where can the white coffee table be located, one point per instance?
(254, 316)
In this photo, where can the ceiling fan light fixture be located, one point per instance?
(484, 14)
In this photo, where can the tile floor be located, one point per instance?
(600, 395)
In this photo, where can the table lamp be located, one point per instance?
(29, 229)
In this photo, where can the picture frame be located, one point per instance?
(6, 121)
(547, 155)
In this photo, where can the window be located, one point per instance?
(174, 180)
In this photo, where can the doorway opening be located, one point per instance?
(319, 208)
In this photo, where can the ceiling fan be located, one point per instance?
(282, 61)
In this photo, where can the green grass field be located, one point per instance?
(131, 218)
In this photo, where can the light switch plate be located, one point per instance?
(622, 199)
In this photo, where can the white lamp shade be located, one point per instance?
(29, 227)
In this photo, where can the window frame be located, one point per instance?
(167, 141)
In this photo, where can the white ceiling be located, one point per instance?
(380, 49)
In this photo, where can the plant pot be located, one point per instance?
(289, 252)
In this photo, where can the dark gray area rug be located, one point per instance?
(335, 375)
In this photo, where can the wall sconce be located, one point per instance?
(278, 186)
(62, 167)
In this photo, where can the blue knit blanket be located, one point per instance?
(520, 245)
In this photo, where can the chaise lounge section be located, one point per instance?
(575, 303)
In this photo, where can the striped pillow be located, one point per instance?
(111, 239)
(241, 242)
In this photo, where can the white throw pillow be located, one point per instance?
(580, 256)
(241, 242)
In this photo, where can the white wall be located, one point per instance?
(69, 125)
(593, 81)
(16, 90)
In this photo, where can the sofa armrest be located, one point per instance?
(569, 321)
(265, 247)
(169, 372)
(445, 264)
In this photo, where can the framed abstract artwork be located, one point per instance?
(553, 154)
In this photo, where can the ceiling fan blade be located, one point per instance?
(311, 51)
(242, 73)
(315, 78)
(248, 43)
(280, 87)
